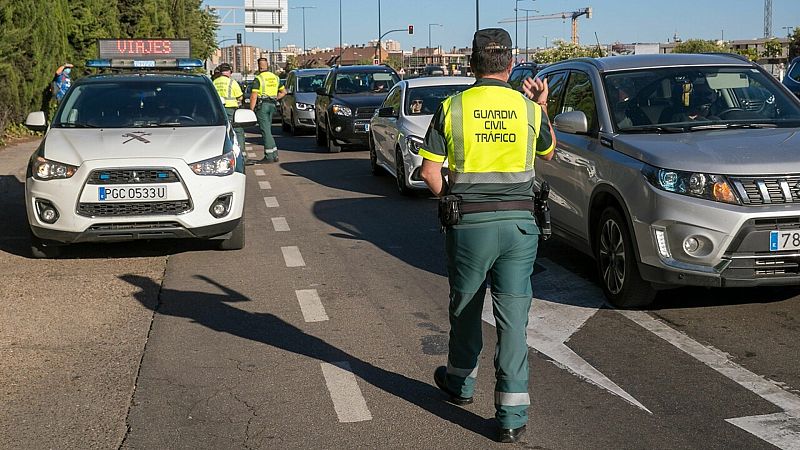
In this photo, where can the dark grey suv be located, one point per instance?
(675, 170)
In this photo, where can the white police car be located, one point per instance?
(143, 154)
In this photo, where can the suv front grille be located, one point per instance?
(134, 226)
(134, 209)
(365, 113)
(768, 190)
(132, 176)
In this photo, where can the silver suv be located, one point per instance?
(675, 170)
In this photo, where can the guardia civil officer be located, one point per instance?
(490, 135)
(231, 94)
(263, 100)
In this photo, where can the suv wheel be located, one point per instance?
(320, 135)
(373, 157)
(333, 147)
(236, 241)
(41, 251)
(616, 263)
(400, 171)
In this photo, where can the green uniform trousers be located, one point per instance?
(264, 115)
(503, 245)
(238, 130)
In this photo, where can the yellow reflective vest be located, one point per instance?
(268, 84)
(229, 91)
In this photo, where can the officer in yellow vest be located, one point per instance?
(231, 94)
(263, 100)
(490, 135)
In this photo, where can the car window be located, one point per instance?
(794, 72)
(426, 99)
(365, 82)
(686, 96)
(126, 104)
(393, 99)
(310, 83)
(519, 75)
(555, 84)
(579, 96)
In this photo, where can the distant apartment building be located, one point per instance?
(242, 58)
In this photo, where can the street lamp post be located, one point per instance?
(429, 38)
(378, 50)
(527, 11)
(304, 8)
(545, 42)
(516, 23)
(340, 31)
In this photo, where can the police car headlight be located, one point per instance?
(44, 169)
(341, 110)
(304, 106)
(414, 143)
(217, 166)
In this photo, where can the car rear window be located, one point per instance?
(138, 104)
(365, 82)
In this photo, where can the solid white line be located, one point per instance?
(280, 224)
(292, 257)
(272, 202)
(264, 185)
(311, 305)
(348, 402)
(259, 172)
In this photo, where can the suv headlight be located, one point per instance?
(414, 143)
(44, 169)
(341, 110)
(218, 166)
(694, 184)
(304, 106)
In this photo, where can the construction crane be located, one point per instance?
(562, 15)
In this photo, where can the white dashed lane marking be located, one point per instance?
(292, 257)
(251, 155)
(272, 202)
(280, 224)
(259, 172)
(264, 185)
(348, 402)
(311, 305)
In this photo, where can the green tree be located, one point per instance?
(562, 50)
(772, 48)
(699, 46)
(291, 63)
(749, 53)
(794, 43)
(394, 62)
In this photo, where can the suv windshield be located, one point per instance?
(138, 104)
(425, 100)
(365, 82)
(681, 98)
(310, 83)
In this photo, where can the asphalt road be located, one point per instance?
(325, 330)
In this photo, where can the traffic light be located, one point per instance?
(238, 38)
(411, 29)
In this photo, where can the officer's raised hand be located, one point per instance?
(536, 90)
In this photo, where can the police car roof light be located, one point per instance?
(176, 63)
(98, 63)
(189, 63)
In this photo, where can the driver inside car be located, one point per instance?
(694, 101)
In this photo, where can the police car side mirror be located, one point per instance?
(36, 121)
(244, 118)
(573, 122)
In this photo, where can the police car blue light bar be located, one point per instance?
(177, 63)
(98, 63)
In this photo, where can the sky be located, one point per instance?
(613, 20)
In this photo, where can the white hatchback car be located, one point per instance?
(398, 127)
(144, 155)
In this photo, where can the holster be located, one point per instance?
(541, 211)
(449, 211)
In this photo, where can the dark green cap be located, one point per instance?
(491, 39)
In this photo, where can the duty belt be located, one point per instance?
(511, 205)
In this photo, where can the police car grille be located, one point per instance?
(133, 176)
(365, 113)
(134, 209)
(756, 191)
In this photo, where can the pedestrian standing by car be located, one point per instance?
(263, 100)
(490, 134)
(231, 94)
(62, 81)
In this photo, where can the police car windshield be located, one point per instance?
(139, 104)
